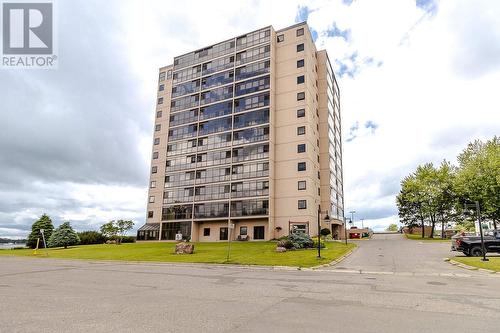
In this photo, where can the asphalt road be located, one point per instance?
(387, 295)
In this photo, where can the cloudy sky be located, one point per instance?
(418, 81)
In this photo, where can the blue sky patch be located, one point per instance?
(302, 14)
(429, 6)
(335, 31)
(371, 125)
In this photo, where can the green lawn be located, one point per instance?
(427, 239)
(246, 253)
(493, 264)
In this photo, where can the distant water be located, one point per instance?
(11, 245)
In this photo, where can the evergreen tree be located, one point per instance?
(45, 223)
(64, 235)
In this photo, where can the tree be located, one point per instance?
(64, 235)
(392, 227)
(116, 229)
(478, 177)
(109, 230)
(45, 223)
(123, 226)
(427, 194)
(409, 202)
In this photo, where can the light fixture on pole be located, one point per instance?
(352, 212)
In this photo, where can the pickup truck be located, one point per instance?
(471, 245)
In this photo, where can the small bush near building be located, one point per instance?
(91, 237)
(286, 243)
(325, 232)
(128, 239)
(296, 241)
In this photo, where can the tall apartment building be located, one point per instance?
(247, 141)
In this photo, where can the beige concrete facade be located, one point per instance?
(248, 136)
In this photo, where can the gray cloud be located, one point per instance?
(80, 123)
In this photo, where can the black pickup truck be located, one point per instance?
(471, 245)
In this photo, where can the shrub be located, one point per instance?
(128, 239)
(286, 243)
(325, 232)
(91, 237)
(301, 241)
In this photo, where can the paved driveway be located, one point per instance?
(395, 253)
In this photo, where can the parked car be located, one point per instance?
(470, 245)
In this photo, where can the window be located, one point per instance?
(300, 79)
(300, 32)
(155, 155)
(258, 232)
(162, 76)
(243, 231)
(301, 130)
(150, 214)
(158, 114)
(301, 185)
(157, 141)
(154, 169)
(152, 184)
(301, 113)
(280, 38)
(302, 204)
(301, 166)
(301, 96)
(301, 148)
(223, 234)
(160, 100)
(169, 74)
(300, 47)
(162, 87)
(157, 127)
(152, 199)
(206, 232)
(300, 63)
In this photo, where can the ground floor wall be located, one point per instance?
(251, 229)
(218, 231)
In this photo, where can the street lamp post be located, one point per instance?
(327, 218)
(345, 229)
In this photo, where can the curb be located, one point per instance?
(470, 268)
(336, 261)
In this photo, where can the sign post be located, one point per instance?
(44, 243)
(230, 226)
